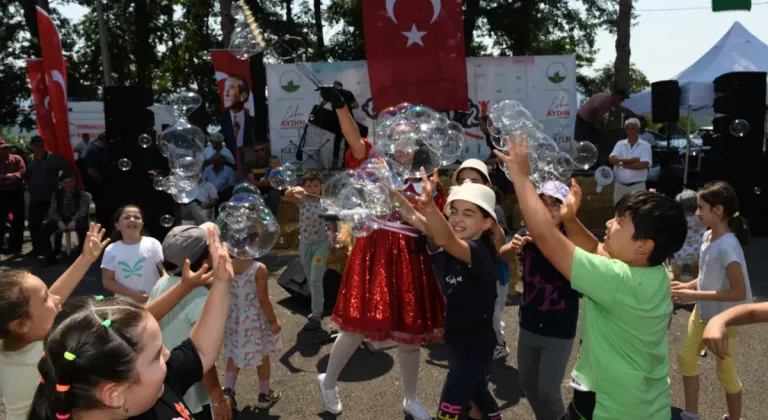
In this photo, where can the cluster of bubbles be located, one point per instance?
(408, 137)
(182, 144)
(247, 39)
(283, 177)
(247, 226)
(548, 161)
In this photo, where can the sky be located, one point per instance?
(664, 41)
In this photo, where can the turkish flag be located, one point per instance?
(415, 52)
(56, 86)
(36, 73)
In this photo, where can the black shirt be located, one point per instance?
(470, 297)
(184, 370)
(548, 306)
(97, 158)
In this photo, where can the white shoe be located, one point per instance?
(501, 351)
(416, 410)
(330, 396)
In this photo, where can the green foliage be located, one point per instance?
(602, 81)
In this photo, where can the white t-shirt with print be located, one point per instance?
(19, 378)
(715, 257)
(135, 266)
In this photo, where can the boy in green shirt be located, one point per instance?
(623, 367)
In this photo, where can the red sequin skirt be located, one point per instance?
(389, 291)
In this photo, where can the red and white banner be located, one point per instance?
(233, 77)
(36, 73)
(55, 70)
(415, 53)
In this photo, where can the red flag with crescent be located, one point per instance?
(36, 73)
(415, 53)
(56, 87)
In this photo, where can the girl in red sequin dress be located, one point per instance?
(389, 292)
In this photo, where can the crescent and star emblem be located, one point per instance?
(414, 35)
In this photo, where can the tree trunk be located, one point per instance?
(227, 22)
(30, 18)
(142, 50)
(621, 65)
(320, 48)
(471, 14)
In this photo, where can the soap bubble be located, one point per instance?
(247, 39)
(124, 164)
(333, 187)
(333, 237)
(183, 144)
(584, 155)
(145, 140)
(185, 103)
(739, 127)
(282, 179)
(187, 166)
(182, 189)
(245, 187)
(166, 220)
(158, 184)
(757, 190)
(248, 227)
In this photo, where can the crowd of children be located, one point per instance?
(150, 351)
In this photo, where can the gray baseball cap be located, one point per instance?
(184, 243)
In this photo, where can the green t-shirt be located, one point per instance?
(177, 325)
(624, 355)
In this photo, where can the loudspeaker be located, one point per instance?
(127, 117)
(747, 177)
(294, 281)
(665, 101)
(740, 95)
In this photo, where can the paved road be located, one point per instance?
(370, 385)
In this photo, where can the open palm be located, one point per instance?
(570, 207)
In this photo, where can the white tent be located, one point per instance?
(737, 50)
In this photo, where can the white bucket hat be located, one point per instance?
(477, 194)
(475, 164)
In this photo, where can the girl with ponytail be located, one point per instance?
(722, 283)
(105, 358)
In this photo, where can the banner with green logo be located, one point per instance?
(725, 5)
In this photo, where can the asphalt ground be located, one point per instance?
(370, 384)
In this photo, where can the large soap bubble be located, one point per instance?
(247, 39)
(282, 178)
(185, 103)
(183, 144)
(584, 155)
(248, 227)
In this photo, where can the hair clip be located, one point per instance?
(62, 416)
(736, 214)
(69, 356)
(99, 298)
(62, 388)
(106, 323)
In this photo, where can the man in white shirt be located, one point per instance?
(631, 159)
(221, 176)
(216, 145)
(201, 209)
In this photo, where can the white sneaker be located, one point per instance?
(501, 351)
(416, 410)
(330, 396)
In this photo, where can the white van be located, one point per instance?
(87, 117)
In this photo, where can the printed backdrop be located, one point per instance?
(546, 85)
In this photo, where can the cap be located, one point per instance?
(475, 164)
(688, 199)
(477, 194)
(184, 243)
(555, 189)
(4, 144)
(36, 141)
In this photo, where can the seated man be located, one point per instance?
(68, 213)
(258, 174)
(201, 209)
(221, 176)
(216, 146)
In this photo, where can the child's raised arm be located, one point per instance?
(439, 229)
(208, 332)
(160, 306)
(716, 336)
(92, 248)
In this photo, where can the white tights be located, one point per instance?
(347, 343)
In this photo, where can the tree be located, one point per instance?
(621, 66)
(317, 7)
(603, 81)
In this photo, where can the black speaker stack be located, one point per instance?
(741, 160)
(127, 116)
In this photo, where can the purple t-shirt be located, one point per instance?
(548, 306)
